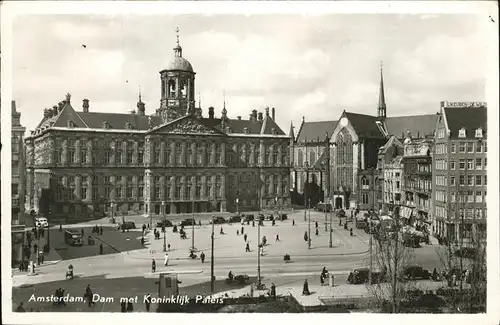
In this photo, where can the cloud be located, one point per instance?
(321, 66)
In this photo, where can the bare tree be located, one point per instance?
(390, 259)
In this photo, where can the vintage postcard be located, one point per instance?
(192, 158)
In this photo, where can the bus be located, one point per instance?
(321, 206)
(73, 238)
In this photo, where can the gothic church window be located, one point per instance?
(300, 158)
(312, 158)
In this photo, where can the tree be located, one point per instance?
(390, 259)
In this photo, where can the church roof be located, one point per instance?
(419, 125)
(314, 130)
(392, 141)
(365, 125)
(470, 118)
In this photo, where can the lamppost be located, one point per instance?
(259, 284)
(305, 199)
(192, 231)
(212, 279)
(309, 225)
(331, 230)
(237, 206)
(164, 226)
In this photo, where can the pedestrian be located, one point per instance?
(261, 250)
(273, 222)
(130, 307)
(317, 232)
(293, 222)
(82, 232)
(147, 301)
(247, 249)
(143, 228)
(153, 266)
(316, 224)
(60, 227)
(101, 249)
(35, 248)
(101, 230)
(32, 267)
(88, 294)
(245, 237)
(168, 246)
(39, 259)
(42, 258)
(123, 305)
(165, 260)
(273, 290)
(237, 232)
(277, 237)
(202, 257)
(253, 223)
(322, 279)
(350, 232)
(305, 288)
(221, 231)
(199, 223)
(142, 240)
(20, 308)
(305, 236)
(242, 230)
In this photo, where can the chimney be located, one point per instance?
(85, 106)
(267, 111)
(13, 106)
(54, 110)
(45, 113)
(61, 105)
(254, 115)
(259, 116)
(245, 130)
(239, 118)
(272, 113)
(211, 113)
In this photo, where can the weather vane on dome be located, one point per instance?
(177, 32)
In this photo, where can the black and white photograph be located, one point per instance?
(250, 158)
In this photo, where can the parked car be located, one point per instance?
(361, 223)
(283, 216)
(361, 275)
(164, 223)
(41, 222)
(218, 220)
(341, 213)
(233, 219)
(269, 217)
(415, 272)
(187, 222)
(247, 217)
(127, 225)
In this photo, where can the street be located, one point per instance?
(133, 266)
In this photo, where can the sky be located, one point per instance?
(304, 66)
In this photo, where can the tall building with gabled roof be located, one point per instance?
(84, 163)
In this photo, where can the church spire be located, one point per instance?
(291, 134)
(381, 109)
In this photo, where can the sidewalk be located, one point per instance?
(50, 259)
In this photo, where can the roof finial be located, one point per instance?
(224, 95)
(177, 34)
(140, 97)
(199, 100)
(382, 108)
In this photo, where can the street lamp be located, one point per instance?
(192, 231)
(331, 230)
(164, 226)
(309, 225)
(212, 280)
(259, 284)
(237, 206)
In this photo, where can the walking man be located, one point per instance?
(247, 249)
(202, 257)
(101, 249)
(242, 230)
(245, 237)
(166, 259)
(277, 237)
(153, 266)
(147, 301)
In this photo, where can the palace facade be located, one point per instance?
(82, 164)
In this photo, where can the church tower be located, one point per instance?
(381, 109)
(177, 87)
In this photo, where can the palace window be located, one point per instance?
(130, 152)
(140, 192)
(470, 163)
(452, 165)
(462, 133)
(479, 197)
(140, 152)
(478, 180)
(275, 155)
(470, 180)
(453, 148)
(462, 147)
(178, 154)
(479, 133)
(462, 180)
(479, 164)
(461, 164)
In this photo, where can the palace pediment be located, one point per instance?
(186, 125)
